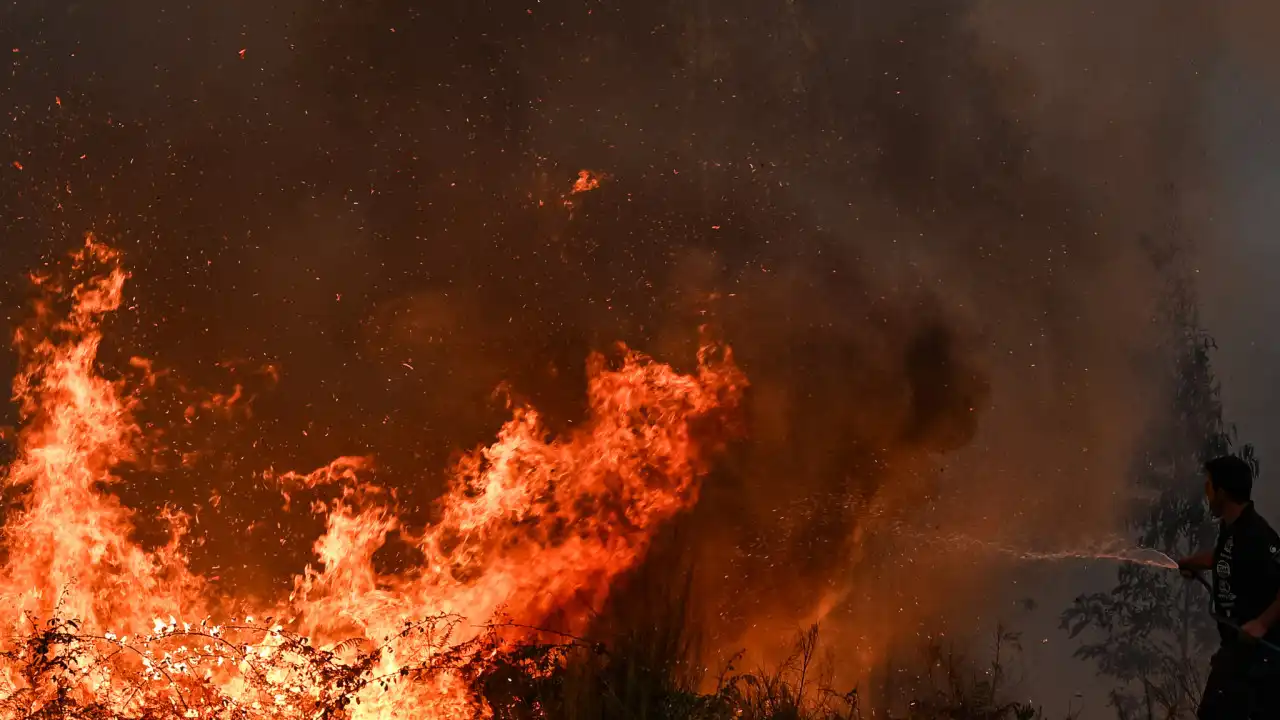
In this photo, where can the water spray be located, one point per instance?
(1153, 558)
(1113, 551)
(1149, 557)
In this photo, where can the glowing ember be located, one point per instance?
(586, 182)
(531, 530)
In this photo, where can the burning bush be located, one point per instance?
(532, 529)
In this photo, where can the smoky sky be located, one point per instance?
(919, 224)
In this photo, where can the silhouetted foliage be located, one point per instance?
(1152, 632)
(596, 682)
(66, 672)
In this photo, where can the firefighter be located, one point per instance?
(1245, 563)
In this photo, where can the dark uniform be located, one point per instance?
(1244, 679)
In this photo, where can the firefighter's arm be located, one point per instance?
(1271, 615)
(1270, 618)
(1199, 562)
(1260, 626)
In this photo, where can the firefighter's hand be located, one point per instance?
(1254, 630)
(1200, 562)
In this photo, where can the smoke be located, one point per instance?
(1237, 278)
(918, 224)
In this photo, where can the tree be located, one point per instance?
(1152, 633)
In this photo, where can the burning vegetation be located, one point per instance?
(526, 540)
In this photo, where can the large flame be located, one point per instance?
(529, 533)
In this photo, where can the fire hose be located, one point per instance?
(1230, 623)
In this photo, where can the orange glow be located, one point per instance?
(529, 533)
(586, 182)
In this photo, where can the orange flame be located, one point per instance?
(532, 528)
(586, 182)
